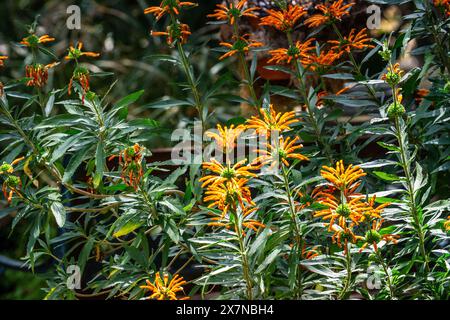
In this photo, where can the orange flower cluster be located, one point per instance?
(321, 62)
(332, 12)
(38, 74)
(447, 224)
(444, 5)
(33, 41)
(244, 44)
(393, 75)
(346, 207)
(282, 149)
(2, 60)
(180, 32)
(296, 52)
(80, 73)
(74, 53)
(233, 11)
(305, 52)
(353, 41)
(285, 149)
(163, 289)
(11, 183)
(130, 160)
(271, 121)
(2, 63)
(226, 185)
(168, 7)
(175, 31)
(283, 20)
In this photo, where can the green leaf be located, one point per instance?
(389, 146)
(386, 176)
(59, 213)
(74, 163)
(438, 205)
(129, 227)
(269, 259)
(143, 123)
(99, 164)
(84, 254)
(166, 104)
(49, 105)
(131, 98)
(62, 148)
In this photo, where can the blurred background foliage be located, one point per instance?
(120, 32)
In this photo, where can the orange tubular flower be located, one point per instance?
(447, 224)
(309, 254)
(130, 159)
(226, 173)
(283, 151)
(242, 45)
(322, 62)
(352, 210)
(283, 20)
(11, 183)
(372, 211)
(271, 121)
(80, 74)
(175, 32)
(330, 13)
(233, 11)
(33, 40)
(373, 237)
(354, 41)
(226, 195)
(76, 53)
(286, 56)
(344, 234)
(444, 5)
(38, 74)
(2, 60)
(393, 75)
(165, 290)
(226, 137)
(253, 224)
(8, 168)
(344, 179)
(168, 7)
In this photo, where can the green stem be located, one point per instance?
(414, 212)
(386, 271)
(297, 234)
(243, 251)
(440, 47)
(312, 118)
(247, 76)
(348, 279)
(356, 66)
(187, 70)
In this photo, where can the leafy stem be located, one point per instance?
(243, 252)
(386, 272)
(356, 66)
(348, 279)
(405, 163)
(247, 75)
(190, 78)
(304, 92)
(298, 238)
